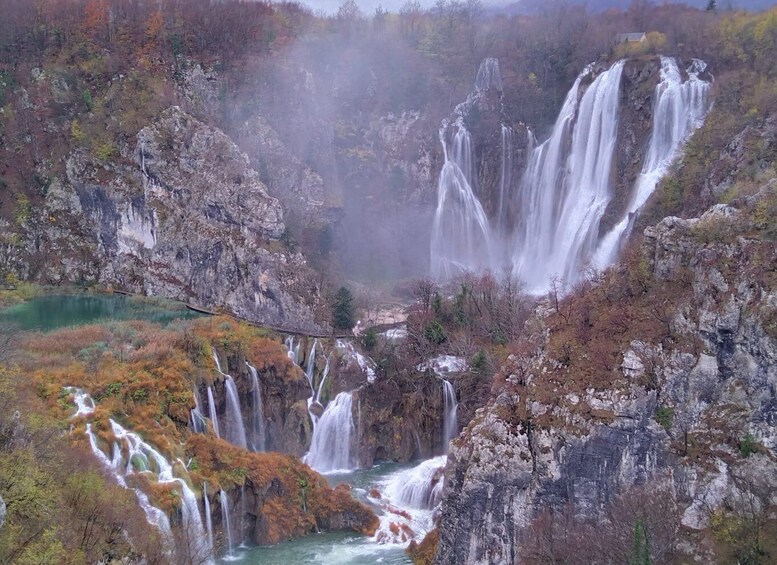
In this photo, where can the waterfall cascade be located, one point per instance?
(258, 432)
(292, 350)
(130, 455)
(330, 449)
(547, 222)
(451, 406)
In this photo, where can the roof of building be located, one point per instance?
(632, 36)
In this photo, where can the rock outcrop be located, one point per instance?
(280, 498)
(184, 217)
(400, 419)
(694, 410)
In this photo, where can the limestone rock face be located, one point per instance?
(300, 189)
(533, 449)
(186, 218)
(400, 421)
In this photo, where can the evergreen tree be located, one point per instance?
(342, 310)
(640, 545)
(712, 5)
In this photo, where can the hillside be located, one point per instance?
(495, 288)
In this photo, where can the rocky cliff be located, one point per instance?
(686, 404)
(180, 215)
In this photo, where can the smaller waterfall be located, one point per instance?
(451, 406)
(154, 516)
(324, 375)
(311, 364)
(461, 234)
(234, 428)
(330, 449)
(208, 517)
(366, 364)
(488, 75)
(309, 370)
(257, 414)
(243, 540)
(139, 450)
(82, 400)
(236, 433)
(214, 417)
(292, 350)
(142, 458)
(197, 419)
(225, 522)
(419, 487)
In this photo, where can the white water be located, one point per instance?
(409, 499)
(679, 108)
(258, 432)
(225, 522)
(82, 400)
(214, 417)
(451, 407)
(321, 383)
(395, 334)
(330, 448)
(243, 540)
(234, 428)
(419, 487)
(564, 194)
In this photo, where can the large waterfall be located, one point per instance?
(678, 109)
(330, 448)
(546, 221)
(564, 194)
